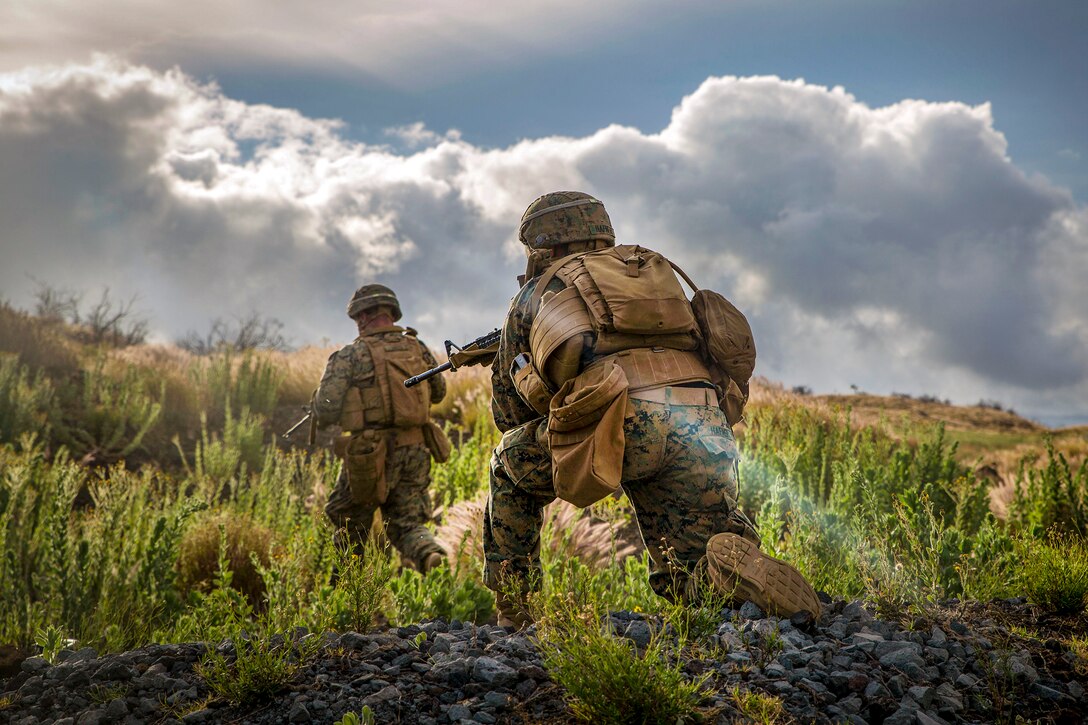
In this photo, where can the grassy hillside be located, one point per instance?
(145, 496)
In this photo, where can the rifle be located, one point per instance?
(480, 351)
(308, 417)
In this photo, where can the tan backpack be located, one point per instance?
(727, 344)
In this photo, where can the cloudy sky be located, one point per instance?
(895, 192)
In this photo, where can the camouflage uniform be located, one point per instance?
(408, 467)
(679, 471)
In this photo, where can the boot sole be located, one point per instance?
(736, 564)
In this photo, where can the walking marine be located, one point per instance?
(387, 436)
(607, 376)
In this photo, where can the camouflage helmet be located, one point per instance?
(370, 296)
(562, 217)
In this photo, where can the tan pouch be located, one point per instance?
(532, 388)
(364, 461)
(732, 403)
(437, 442)
(585, 434)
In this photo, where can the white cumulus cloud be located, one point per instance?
(892, 248)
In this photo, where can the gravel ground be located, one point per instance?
(848, 667)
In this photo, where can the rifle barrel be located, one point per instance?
(427, 374)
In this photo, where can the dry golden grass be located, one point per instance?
(575, 533)
(40, 344)
(198, 558)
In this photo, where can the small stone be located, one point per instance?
(389, 692)
(1049, 694)
(299, 713)
(750, 610)
(498, 700)
(876, 691)
(803, 620)
(937, 636)
(1075, 689)
(484, 717)
(921, 694)
(966, 681)
(34, 665)
(902, 716)
(458, 712)
(117, 709)
(638, 631)
(493, 672)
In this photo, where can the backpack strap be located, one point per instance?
(683, 275)
(546, 277)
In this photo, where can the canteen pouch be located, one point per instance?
(364, 458)
(437, 442)
(585, 434)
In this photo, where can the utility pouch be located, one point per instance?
(530, 386)
(437, 442)
(364, 458)
(585, 434)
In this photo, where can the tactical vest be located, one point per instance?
(384, 402)
(624, 298)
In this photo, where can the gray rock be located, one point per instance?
(902, 716)
(198, 716)
(91, 717)
(876, 690)
(34, 665)
(966, 681)
(928, 718)
(498, 700)
(390, 692)
(638, 631)
(1050, 694)
(493, 672)
(900, 658)
(116, 709)
(484, 717)
(299, 713)
(922, 695)
(937, 636)
(1075, 689)
(457, 712)
(750, 610)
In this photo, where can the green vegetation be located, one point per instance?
(143, 498)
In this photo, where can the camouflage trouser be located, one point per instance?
(404, 512)
(678, 471)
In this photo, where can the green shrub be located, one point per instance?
(1054, 497)
(607, 679)
(25, 402)
(232, 381)
(110, 415)
(1055, 572)
(362, 583)
(466, 472)
(260, 668)
(441, 592)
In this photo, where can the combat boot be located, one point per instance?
(432, 561)
(738, 568)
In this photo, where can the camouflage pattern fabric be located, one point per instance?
(408, 507)
(405, 512)
(679, 471)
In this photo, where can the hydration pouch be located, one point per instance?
(585, 434)
(364, 458)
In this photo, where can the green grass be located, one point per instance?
(223, 533)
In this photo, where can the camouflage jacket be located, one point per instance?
(507, 407)
(353, 366)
